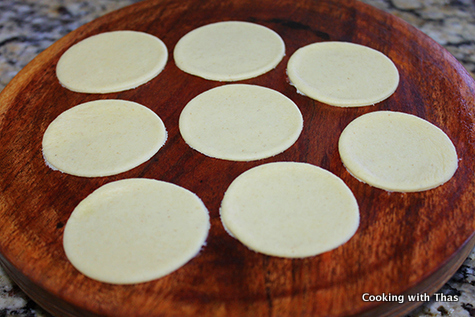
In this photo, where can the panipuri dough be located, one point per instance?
(343, 74)
(398, 152)
(111, 62)
(290, 209)
(229, 51)
(135, 230)
(102, 138)
(240, 122)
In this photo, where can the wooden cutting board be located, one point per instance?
(406, 243)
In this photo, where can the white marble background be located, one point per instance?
(27, 27)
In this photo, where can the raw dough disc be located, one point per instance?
(102, 138)
(240, 122)
(343, 74)
(135, 230)
(290, 209)
(397, 152)
(229, 51)
(112, 61)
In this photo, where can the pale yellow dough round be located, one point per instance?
(397, 152)
(135, 230)
(102, 138)
(290, 209)
(343, 74)
(112, 61)
(240, 122)
(229, 51)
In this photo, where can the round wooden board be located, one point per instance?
(406, 243)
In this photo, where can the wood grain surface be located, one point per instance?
(406, 243)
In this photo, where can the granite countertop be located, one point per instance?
(27, 27)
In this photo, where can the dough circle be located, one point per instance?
(229, 51)
(290, 209)
(135, 230)
(398, 152)
(102, 138)
(112, 61)
(240, 122)
(343, 74)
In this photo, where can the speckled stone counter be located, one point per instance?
(27, 27)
